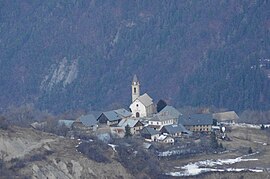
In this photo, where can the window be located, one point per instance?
(137, 105)
(137, 114)
(134, 89)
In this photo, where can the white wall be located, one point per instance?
(137, 106)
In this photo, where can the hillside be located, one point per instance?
(33, 154)
(63, 55)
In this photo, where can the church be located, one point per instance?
(142, 105)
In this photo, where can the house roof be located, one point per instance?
(223, 116)
(130, 122)
(148, 130)
(67, 123)
(88, 120)
(162, 117)
(123, 112)
(147, 145)
(171, 129)
(196, 119)
(111, 115)
(145, 99)
(170, 110)
(135, 79)
(163, 137)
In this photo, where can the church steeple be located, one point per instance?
(135, 88)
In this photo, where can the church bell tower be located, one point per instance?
(135, 88)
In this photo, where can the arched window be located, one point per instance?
(134, 89)
(137, 114)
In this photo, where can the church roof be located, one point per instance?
(135, 79)
(145, 99)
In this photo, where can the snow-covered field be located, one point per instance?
(211, 165)
(246, 125)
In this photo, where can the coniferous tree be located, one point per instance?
(160, 105)
(250, 150)
(214, 142)
(127, 131)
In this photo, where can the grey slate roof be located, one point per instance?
(148, 130)
(171, 111)
(67, 123)
(123, 112)
(88, 120)
(145, 99)
(161, 117)
(196, 119)
(130, 122)
(172, 129)
(112, 115)
(228, 115)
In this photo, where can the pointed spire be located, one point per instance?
(135, 79)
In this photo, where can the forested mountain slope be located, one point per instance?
(73, 54)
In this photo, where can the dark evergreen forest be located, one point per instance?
(197, 53)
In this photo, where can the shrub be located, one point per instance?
(95, 151)
(3, 123)
(250, 150)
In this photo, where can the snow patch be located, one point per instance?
(245, 125)
(65, 73)
(116, 37)
(263, 143)
(113, 147)
(199, 167)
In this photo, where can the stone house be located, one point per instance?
(174, 130)
(165, 139)
(149, 134)
(226, 117)
(109, 118)
(135, 125)
(197, 122)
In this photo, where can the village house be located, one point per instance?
(226, 117)
(197, 122)
(110, 118)
(123, 113)
(113, 117)
(174, 130)
(135, 125)
(167, 116)
(162, 119)
(142, 105)
(165, 139)
(149, 134)
(86, 122)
